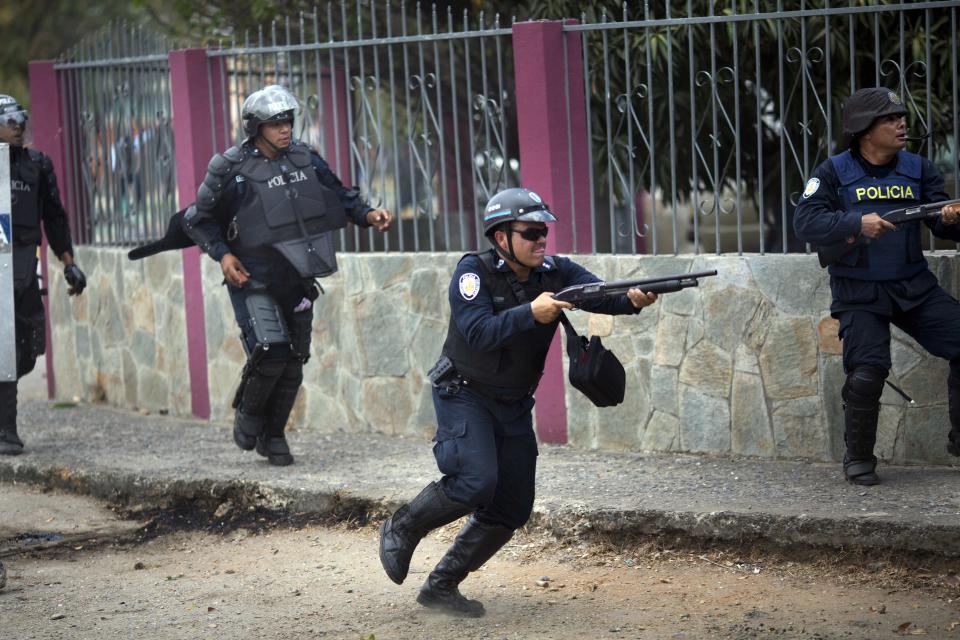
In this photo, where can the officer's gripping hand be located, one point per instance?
(74, 278)
(380, 218)
(639, 299)
(545, 309)
(873, 226)
(233, 270)
(950, 214)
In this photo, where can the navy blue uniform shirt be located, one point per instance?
(486, 331)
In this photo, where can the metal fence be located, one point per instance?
(413, 106)
(120, 173)
(705, 122)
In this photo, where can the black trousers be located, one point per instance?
(487, 452)
(30, 343)
(934, 323)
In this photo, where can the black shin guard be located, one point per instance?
(474, 546)
(861, 411)
(402, 532)
(273, 443)
(953, 395)
(10, 442)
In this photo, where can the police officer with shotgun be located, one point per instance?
(864, 208)
(35, 201)
(503, 318)
(266, 212)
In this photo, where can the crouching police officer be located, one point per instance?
(887, 280)
(35, 199)
(503, 318)
(266, 212)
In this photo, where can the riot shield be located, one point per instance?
(8, 343)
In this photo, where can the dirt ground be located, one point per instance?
(76, 570)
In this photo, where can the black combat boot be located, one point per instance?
(10, 443)
(246, 430)
(953, 396)
(273, 443)
(402, 532)
(475, 544)
(860, 435)
(251, 399)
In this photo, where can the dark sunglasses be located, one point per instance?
(532, 234)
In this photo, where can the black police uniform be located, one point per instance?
(35, 199)
(883, 282)
(260, 210)
(485, 445)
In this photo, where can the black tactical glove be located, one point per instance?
(75, 278)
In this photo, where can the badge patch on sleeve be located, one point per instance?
(469, 286)
(812, 185)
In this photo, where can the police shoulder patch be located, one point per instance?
(812, 185)
(469, 286)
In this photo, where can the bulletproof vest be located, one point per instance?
(25, 169)
(518, 364)
(290, 211)
(895, 255)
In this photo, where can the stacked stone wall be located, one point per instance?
(747, 364)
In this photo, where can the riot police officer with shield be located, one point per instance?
(36, 201)
(266, 212)
(884, 280)
(503, 318)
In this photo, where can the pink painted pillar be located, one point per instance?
(546, 154)
(194, 120)
(49, 136)
(336, 133)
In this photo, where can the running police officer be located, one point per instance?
(886, 280)
(503, 318)
(266, 212)
(35, 199)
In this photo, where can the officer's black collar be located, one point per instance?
(502, 265)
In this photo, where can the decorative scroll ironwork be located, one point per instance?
(120, 176)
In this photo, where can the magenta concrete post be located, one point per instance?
(336, 133)
(46, 116)
(193, 126)
(546, 153)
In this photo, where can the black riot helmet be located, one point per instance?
(866, 105)
(11, 113)
(515, 204)
(270, 104)
(508, 205)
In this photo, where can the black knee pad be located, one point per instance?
(864, 385)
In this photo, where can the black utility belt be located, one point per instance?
(444, 374)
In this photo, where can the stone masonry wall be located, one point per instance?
(123, 341)
(747, 364)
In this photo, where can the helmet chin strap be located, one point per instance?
(511, 256)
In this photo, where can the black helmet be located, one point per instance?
(515, 204)
(11, 112)
(270, 104)
(866, 105)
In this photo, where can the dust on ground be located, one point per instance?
(252, 575)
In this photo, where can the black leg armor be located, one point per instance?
(475, 544)
(10, 443)
(861, 410)
(402, 532)
(272, 443)
(953, 395)
(260, 376)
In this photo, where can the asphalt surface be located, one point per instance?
(154, 461)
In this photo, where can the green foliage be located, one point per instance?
(43, 29)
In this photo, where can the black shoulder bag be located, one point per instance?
(594, 370)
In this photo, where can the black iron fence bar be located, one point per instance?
(161, 58)
(770, 15)
(368, 42)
